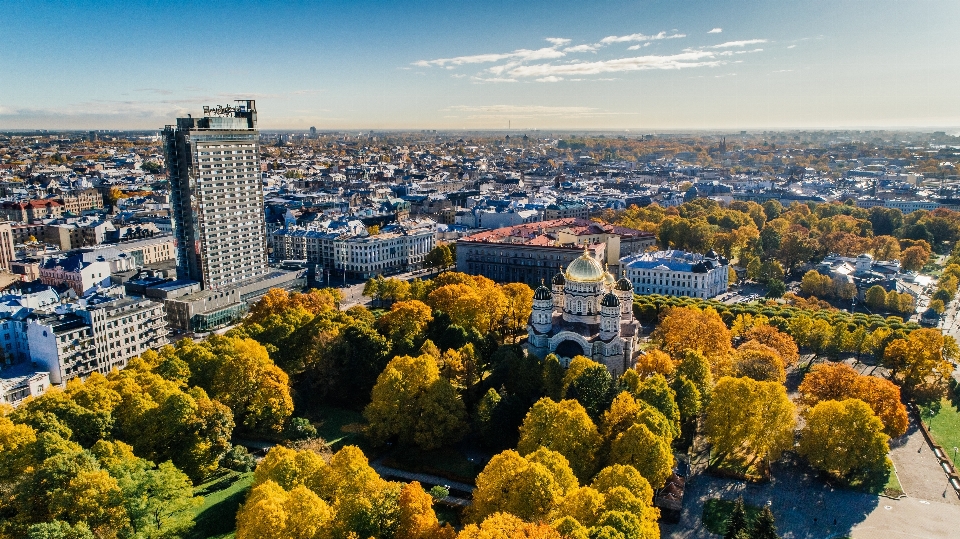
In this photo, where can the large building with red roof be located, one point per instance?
(534, 252)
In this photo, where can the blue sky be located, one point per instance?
(637, 65)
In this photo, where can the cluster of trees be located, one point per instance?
(299, 495)
(770, 239)
(879, 299)
(82, 462)
(946, 288)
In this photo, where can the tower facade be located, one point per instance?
(217, 196)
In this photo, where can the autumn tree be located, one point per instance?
(749, 420)
(655, 362)
(648, 453)
(759, 362)
(845, 439)
(688, 328)
(526, 487)
(271, 512)
(920, 364)
(783, 343)
(412, 403)
(405, 323)
(838, 381)
(564, 427)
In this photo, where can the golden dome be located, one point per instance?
(585, 269)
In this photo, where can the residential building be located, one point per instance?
(21, 381)
(31, 210)
(217, 196)
(7, 255)
(397, 248)
(82, 200)
(677, 273)
(81, 275)
(561, 210)
(99, 333)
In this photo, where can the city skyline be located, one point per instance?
(392, 65)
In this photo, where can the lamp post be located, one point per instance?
(954, 456)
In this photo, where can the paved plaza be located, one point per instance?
(807, 508)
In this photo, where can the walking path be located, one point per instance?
(429, 480)
(919, 470)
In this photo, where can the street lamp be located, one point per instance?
(954, 456)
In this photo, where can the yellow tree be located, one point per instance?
(271, 512)
(749, 420)
(518, 306)
(417, 518)
(844, 438)
(655, 362)
(758, 361)
(838, 381)
(648, 453)
(688, 328)
(520, 486)
(563, 427)
(405, 322)
(412, 403)
(918, 364)
(507, 526)
(462, 303)
(290, 468)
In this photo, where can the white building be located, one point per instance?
(677, 273)
(96, 334)
(397, 248)
(22, 381)
(587, 313)
(80, 275)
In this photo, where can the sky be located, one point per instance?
(638, 66)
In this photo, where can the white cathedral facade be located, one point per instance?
(587, 313)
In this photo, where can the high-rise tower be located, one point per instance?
(217, 196)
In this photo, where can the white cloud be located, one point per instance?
(638, 46)
(551, 78)
(494, 80)
(715, 31)
(558, 41)
(519, 54)
(639, 37)
(743, 43)
(791, 46)
(583, 48)
(676, 61)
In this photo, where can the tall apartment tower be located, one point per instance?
(217, 196)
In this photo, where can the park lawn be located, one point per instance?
(880, 484)
(944, 425)
(339, 426)
(216, 518)
(717, 511)
(735, 468)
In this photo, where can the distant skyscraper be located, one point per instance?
(217, 196)
(313, 132)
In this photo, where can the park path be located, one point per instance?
(428, 480)
(919, 470)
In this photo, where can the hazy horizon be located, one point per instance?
(642, 66)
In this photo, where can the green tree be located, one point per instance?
(737, 522)
(648, 453)
(764, 526)
(592, 388)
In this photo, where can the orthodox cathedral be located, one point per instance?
(587, 313)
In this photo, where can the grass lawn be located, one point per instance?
(339, 426)
(733, 467)
(944, 424)
(216, 518)
(717, 511)
(887, 484)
